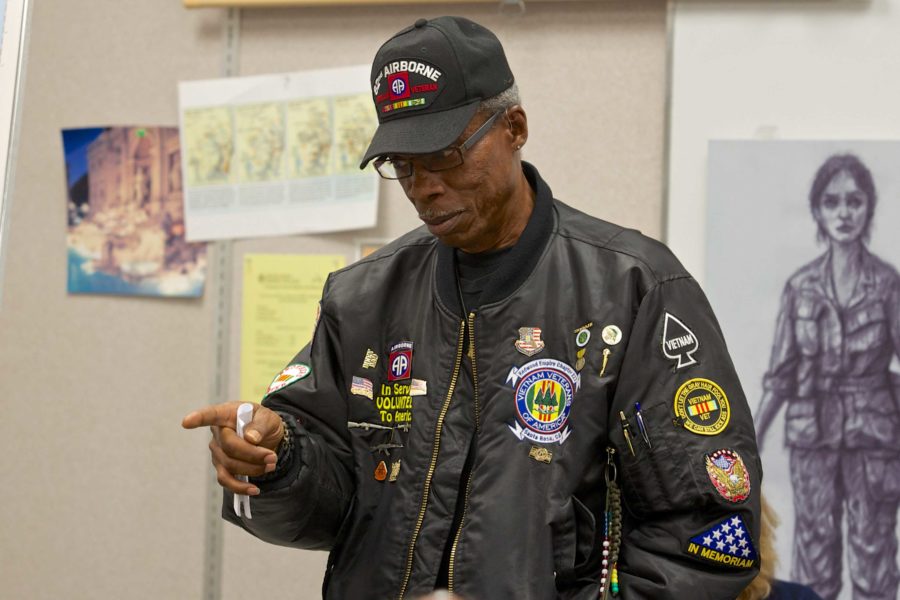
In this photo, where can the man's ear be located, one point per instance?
(518, 126)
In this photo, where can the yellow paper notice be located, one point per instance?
(281, 294)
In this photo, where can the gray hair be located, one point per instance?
(505, 99)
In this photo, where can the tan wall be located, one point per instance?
(105, 494)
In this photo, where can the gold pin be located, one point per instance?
(381, 471)
(626, 431)
(370, 360)
(395, 471)
(540, 454)
(583, 327)
(606, 353)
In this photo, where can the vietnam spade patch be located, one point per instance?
(727, 544)
(679, 343)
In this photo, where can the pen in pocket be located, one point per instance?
(626, 431)
(640, 421)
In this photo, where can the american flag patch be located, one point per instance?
(361, 387)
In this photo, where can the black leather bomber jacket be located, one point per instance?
(583, 320)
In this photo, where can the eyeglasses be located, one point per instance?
(400, 167)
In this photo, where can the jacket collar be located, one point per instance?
(517, 265)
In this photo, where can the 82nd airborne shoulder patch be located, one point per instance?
(400, 361)
(727, 544)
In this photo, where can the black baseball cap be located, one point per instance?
(427, 82)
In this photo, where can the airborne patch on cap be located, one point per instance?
(406, 84)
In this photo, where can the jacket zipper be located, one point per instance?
(474, 441)
(434, 455)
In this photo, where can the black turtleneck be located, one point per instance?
(475, 271)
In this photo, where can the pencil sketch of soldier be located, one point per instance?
(837, 332)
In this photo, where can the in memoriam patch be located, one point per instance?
(727, 543)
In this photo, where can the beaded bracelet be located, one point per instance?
(612, 531)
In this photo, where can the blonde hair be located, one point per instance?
(761, 586)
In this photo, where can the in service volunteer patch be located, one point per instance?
(728, 474)
(702, 406)
(727, 544)
(544, 392)
(289, 375)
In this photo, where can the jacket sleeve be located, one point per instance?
(691, 495)
(305, 505)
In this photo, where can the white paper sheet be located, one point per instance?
(277, 154)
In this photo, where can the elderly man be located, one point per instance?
(477, 392)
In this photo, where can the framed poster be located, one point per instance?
(802, 258)
(125, 214)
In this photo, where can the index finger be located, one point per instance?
(221, 415)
